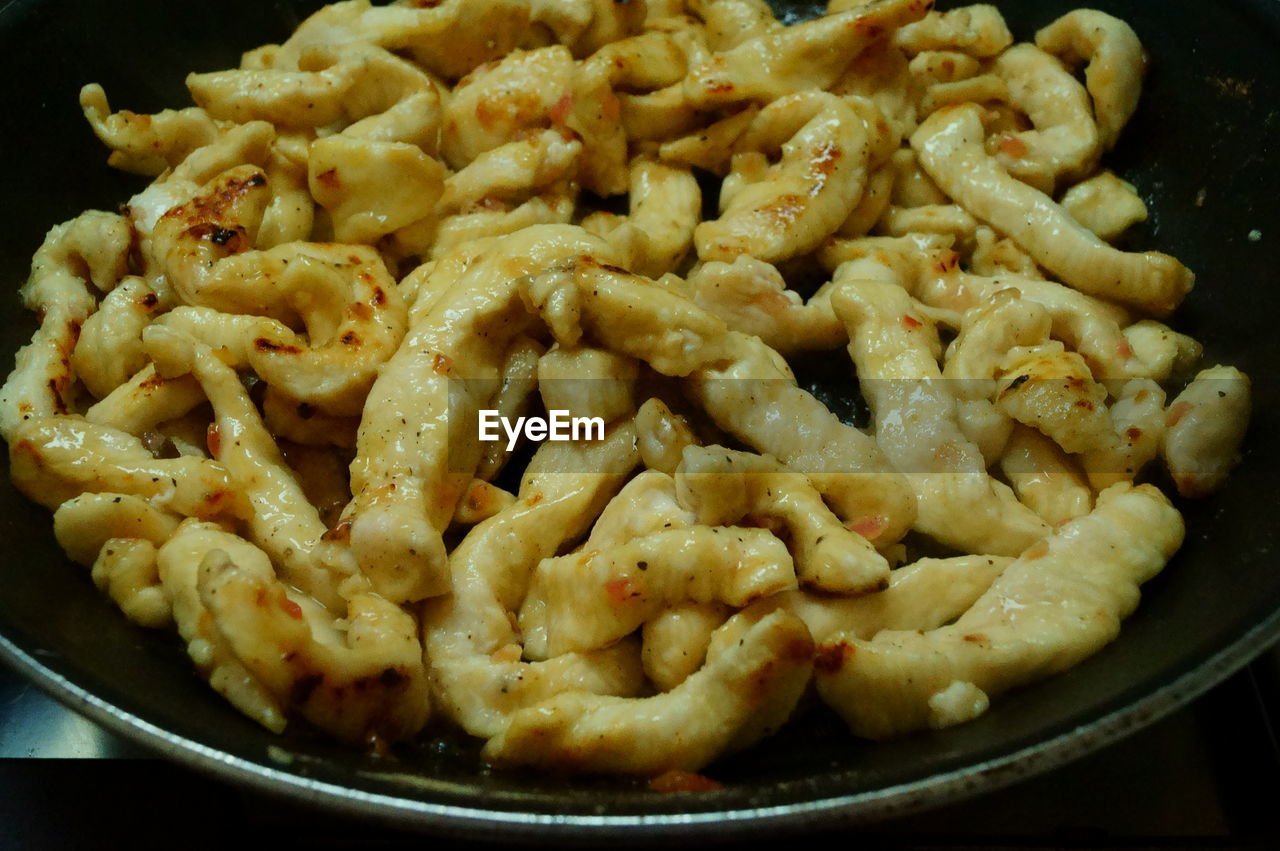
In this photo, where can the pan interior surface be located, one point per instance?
(1199, 150)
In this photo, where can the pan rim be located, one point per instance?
(508, 824)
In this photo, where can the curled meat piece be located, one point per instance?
(352, 310)
(495, 105)
(109, 350)
(751, 296)
(472, 648)
(413, 461)
(1206, 425)
(647, 504)
(126, 571)
(219, 221)
(512, 172)
(1057, 604)
(1053, 390)
(810, 55)
(793, 205)
(591, 599)
(643, 63)
(977, 30)
(515, 185)
(738, 380)
(710, 148)
(553, 207)
(585, 26)
(536, 89)
(747, 688)
(449, 38)
(341, 85)
(665, 113)
(146, 144)
(241, 145)
(729, 23)
(287, 214)
(662, 436)
(145, 401)
(949, 144)
(372, 188)
(586, 297)
(283, 521)
(1137, 427)
(665, 207)
(923, 595)
(89, 252)
(83, 524)
(844, 464)
(1105, 204)
(894, 348)
(1044, 477)
(590, 382)
(1162, 351)
(178, 563)
(973, 360)
(1064, 143)
(360, 680)
(675, 642)
(723, 486)
(304, 423)
(990, 330)
(1116, 64)
(117, 535)
(1090, 326)
(53, 459)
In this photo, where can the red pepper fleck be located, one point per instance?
(213, 439)
(1177, 412)
(947, 262)
(619, 590)
(610, 107)
(1039, 549)
(291, 608)
(330, 178)
(910, 322)
(869, 527)
(562, 108)
(1012, 145)
(677, 780)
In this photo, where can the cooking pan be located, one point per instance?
(1200, 151)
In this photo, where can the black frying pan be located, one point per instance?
(1207, 122)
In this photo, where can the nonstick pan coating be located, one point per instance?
(1204, 130)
